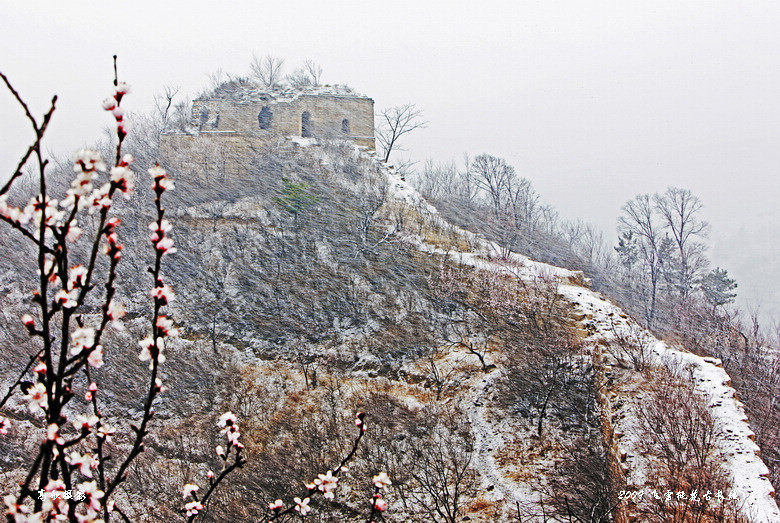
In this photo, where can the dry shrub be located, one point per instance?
(428, 451)
(629, 345)
(681, 437)
(544, 375)
(582, 491)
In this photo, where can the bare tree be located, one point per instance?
(495, 177)
(307, 75)
(441, 473)
(639, 221)
(541, 372)
(267, 69)
(395, 122)
(163, 101)
(217, 78)
(298, 79)
(582, 492)
(439, 378)
(314, 70)
(680, 211)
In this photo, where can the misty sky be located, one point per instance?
(594, 102)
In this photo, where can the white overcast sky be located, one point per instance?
(595, 102)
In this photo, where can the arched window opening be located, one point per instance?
(215, 122)
(345, 126)
(306, 127)
(264, 118)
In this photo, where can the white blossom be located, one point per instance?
(193, 507)
(381, 480)
(83, 338)
(36, 397)
(95, 357)
(302, 506)
(188, 489)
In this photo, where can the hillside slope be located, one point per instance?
(733, 438)
(497, 388)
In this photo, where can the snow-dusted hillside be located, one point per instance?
(733, 437)
(330, 285)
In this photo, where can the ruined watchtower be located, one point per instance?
(315, 111)
(229, 122)
(250, 110)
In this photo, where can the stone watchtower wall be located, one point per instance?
(230, 125)
(264, 115)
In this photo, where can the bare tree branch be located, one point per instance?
(396, 122)
(267, 69)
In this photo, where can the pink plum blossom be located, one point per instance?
(161, 181)
(53, 434)
(85, 422)
(116, 311)
(360, 422)
(380, 504)
(302, 506)
(91, 390)
(105, 432)
(167, 184)
(73, 233)
(95, 357)
(82, 338)
(146, 345)
(165, 245)
(193, 507)
(226, 419)
(36, 397)
(163, 293)
(93, 493)
(122, 177)
(165, 324)
(88, 160)
(163, 226)
(157, 172)
(67, 299)
(44, 208)
(233, 436)
(159, 384)
(12, 213)
(327, 484)
(85, 463)
(100, 198)
(112, 223)
(77, 275)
